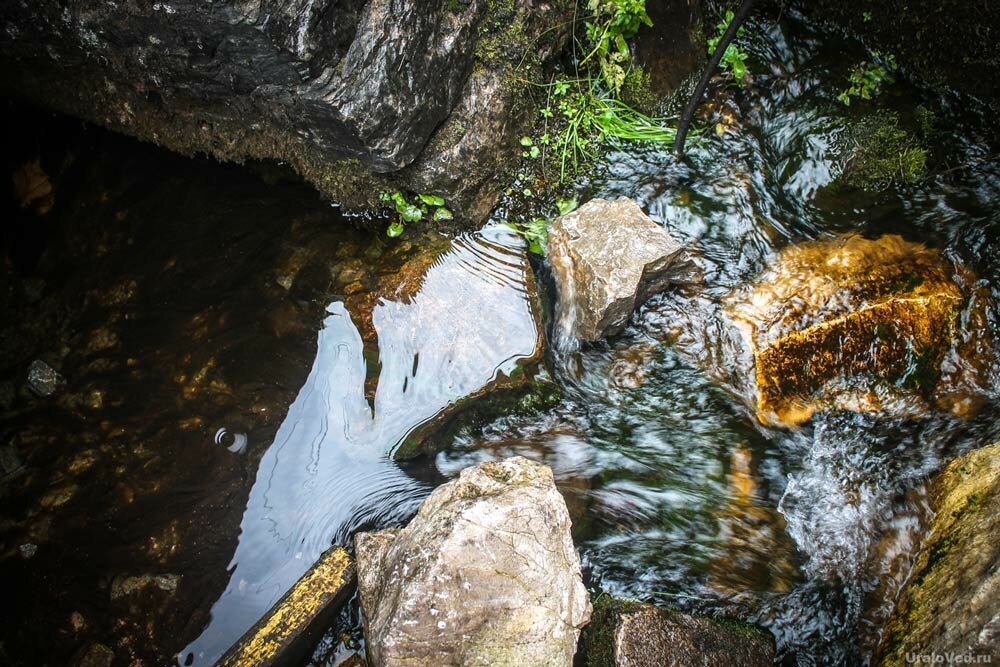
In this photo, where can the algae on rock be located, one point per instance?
(951, 602)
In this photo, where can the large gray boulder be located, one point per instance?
(634, 634)
(345, 91)
(608, 257)
(950, 604)
(485, 574)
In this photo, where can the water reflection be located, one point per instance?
(329, 470)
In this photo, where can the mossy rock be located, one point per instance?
(951, 602)
(625, 632)
(858, 324)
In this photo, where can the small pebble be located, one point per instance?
(43, 380)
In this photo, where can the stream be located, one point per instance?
(261, 311)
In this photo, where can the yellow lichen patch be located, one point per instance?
(322, 586)
(852, 323)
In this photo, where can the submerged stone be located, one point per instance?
(32, 187)
(43, 380)
(96, 655)
(607, 258)
(863, 325)
(634, 634)
(950, 604)
(485, 574)
(755, 551)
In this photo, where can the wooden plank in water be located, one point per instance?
(290, 629)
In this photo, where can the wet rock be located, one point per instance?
(666, 53)
(11, 464)
(43, 380)
(96, 655)
(607, 258)
(314, 83)
(485, 574)
(864, 325)
(77, 622)
(58, 496)
(32, 188)
(950, 604)
(634, 634)
(27, 550)
(123, 587)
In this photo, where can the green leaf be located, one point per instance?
(410, 213)
(526, 141)
(739, 70)
(534, 152)
(394, 230)
(443, 214)
(565, 206)
(432, 200)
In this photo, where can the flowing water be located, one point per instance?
(680, 495)
(210, 302)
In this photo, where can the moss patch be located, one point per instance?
(637, 91)
(953, 594)
(878, 153)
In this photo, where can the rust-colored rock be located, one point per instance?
(864, 325)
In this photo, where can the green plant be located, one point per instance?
(733, 58)
(582, 113)
(588, 116)
(432, 205)
(866, 79)
(535, 233)
(565, 206)
(612, 24)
